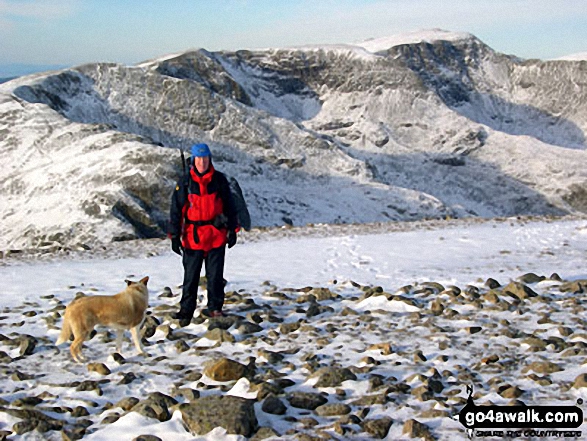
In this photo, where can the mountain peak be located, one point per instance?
(581, 56)
(425, 35)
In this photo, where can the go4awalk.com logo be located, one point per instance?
(521, 421)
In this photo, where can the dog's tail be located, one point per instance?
(65, 332)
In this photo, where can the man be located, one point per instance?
(203, 221)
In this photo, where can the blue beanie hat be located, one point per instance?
(200, 150)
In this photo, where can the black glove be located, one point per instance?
(176, 245)
(231, 236)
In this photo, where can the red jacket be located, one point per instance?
(202, 210)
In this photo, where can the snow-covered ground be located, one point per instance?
(461, 253)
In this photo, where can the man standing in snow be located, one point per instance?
(203, 221)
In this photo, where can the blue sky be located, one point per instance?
(72, 32)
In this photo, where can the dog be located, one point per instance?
(125, 310)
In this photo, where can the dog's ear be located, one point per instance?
(144, 280)
(128, 282)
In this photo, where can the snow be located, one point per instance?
(453, 254)
(419, 36)
(581, 56)
(348, 133)
(367, 50)
(355, 51)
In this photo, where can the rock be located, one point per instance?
(99, 368)
(89, 385)
(264, 433)
(79, 412)
(127, 403)
(167, 293)
(32, 419)
(313, 310)
(333, 409)
(72, 433)
(21, 376)
(535, 343)
(155, 406)
(153, 410)
(434, 385)
(149, 327)
(273, 406)
(226, 369)
(221, 335)
(574, 287)
(371, 400)
(118, 358)
(306, 298)
(519, 291)
(378, 428)
(25, 426)
(332, 376)
(491, 359)
(434, 413)
(384, 348)
(492, 297)
(247, 328)
(27, 401)
(423, 393)
(306, 400)
(492, 283)
(188, 394)
(437, 307)
(224, 323)
(346, 311)
(147, 438)
(580, 381)
(531, 278)
(542, 367)
(161, 399)
(181, 346)
(288, 328)
(27, 345)
(235, 414)
(127, 378)
(323, 294)
(508, 391)
(415, 429)
(265, 389)
(419, 357)
(565, 331)
(270, 356)
(112, 418)
(5, 358)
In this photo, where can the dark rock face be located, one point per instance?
(202, 67)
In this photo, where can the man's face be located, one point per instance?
(202, 163)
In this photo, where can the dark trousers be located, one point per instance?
(192, 265)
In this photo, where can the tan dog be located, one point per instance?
(125, 310)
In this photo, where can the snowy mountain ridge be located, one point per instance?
(425, 125)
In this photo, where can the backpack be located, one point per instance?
(240, 205)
